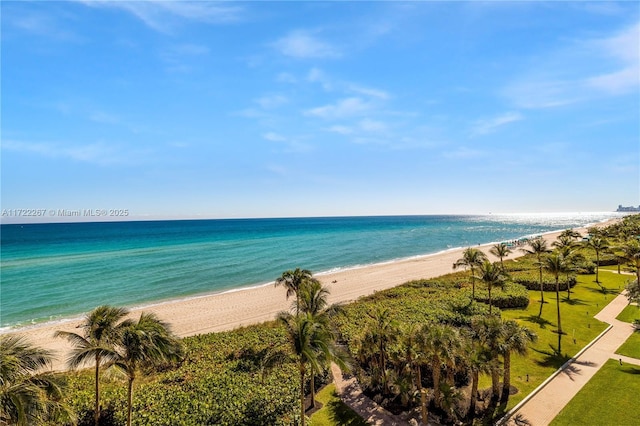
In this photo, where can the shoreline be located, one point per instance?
(234, 308)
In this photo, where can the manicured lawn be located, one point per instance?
(629, 314)
(609, 398)
(631, 347)
(334, 412)
(578, 323)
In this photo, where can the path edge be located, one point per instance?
(526, 399)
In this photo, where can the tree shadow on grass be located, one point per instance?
(341, 414)
(551, 358)
(543, 323)
(574, 302)
(603, 290)
(631, 370)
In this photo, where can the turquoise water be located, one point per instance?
(56, 271)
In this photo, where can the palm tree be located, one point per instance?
(442, 342)
(292, 280)
(28, 396)
(480, 362)
(313, 300)
(379, 335)
(491, 275)
(471, 258)
(488, 332)
(144, 343)
(570, 233)
(556, 264)
(631, 250)
(567, 247)
(599, 245)
(500, 250)
(96, 344)
(515, 338)
(311, 341)
(538, 248)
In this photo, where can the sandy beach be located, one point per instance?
(226, 311)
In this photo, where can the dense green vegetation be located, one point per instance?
(403, 341)
(608, 399)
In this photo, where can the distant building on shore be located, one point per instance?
(621, 208)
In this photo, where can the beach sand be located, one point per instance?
(226, 311)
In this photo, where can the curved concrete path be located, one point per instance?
(545, 405)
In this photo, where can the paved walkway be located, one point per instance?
(543, 407)
(351, 394)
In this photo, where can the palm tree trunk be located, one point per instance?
(130, 400)
(559, 324)
(436, 380)
(489, 299)
(597, 266)
(541, 292)
(313, 390)
(473, 284)
(495, 384)
(474, 394)
(568, 288)
(302, 410)
(96, 411)
(423, 398)
(506, 378)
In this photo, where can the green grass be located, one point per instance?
(631, 347)
(334, 412)
(609, 398)
(629, 314)
(587, 299)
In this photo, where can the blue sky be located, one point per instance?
(265, 109)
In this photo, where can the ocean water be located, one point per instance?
(54, 271)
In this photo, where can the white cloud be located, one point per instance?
(95, 153)
(367, 91)
(293, 144)
(342, 130)
(346, 107)
(301, 44)
(274, 137)
(162, 15)
(369, 125)
(271, 101)
(482, 127)
(566, 75)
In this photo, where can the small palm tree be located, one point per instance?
(567, 247)
(599, 245)
(480, 362)
(144, 343)
(501, 251)
(471, 258)
(538, 247)
(28, 396)
(631, 254)
(491, 275)
(292, 280)
(515, 338)
(556, 264)
(381, 332)
(101, 328)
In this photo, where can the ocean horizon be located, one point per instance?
(58, 271)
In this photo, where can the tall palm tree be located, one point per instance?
(538, 247)
(442, 342)
(311, 341)
(313, 300)
(599, 245)
(515, 338)
(471, 258)
(145, 342)
(491, 275)
(292, 280)
(28, 396)
(500, 250)
(556, 264)
(570, 233)
(631, 254)
(480, 362)
(101, 328)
